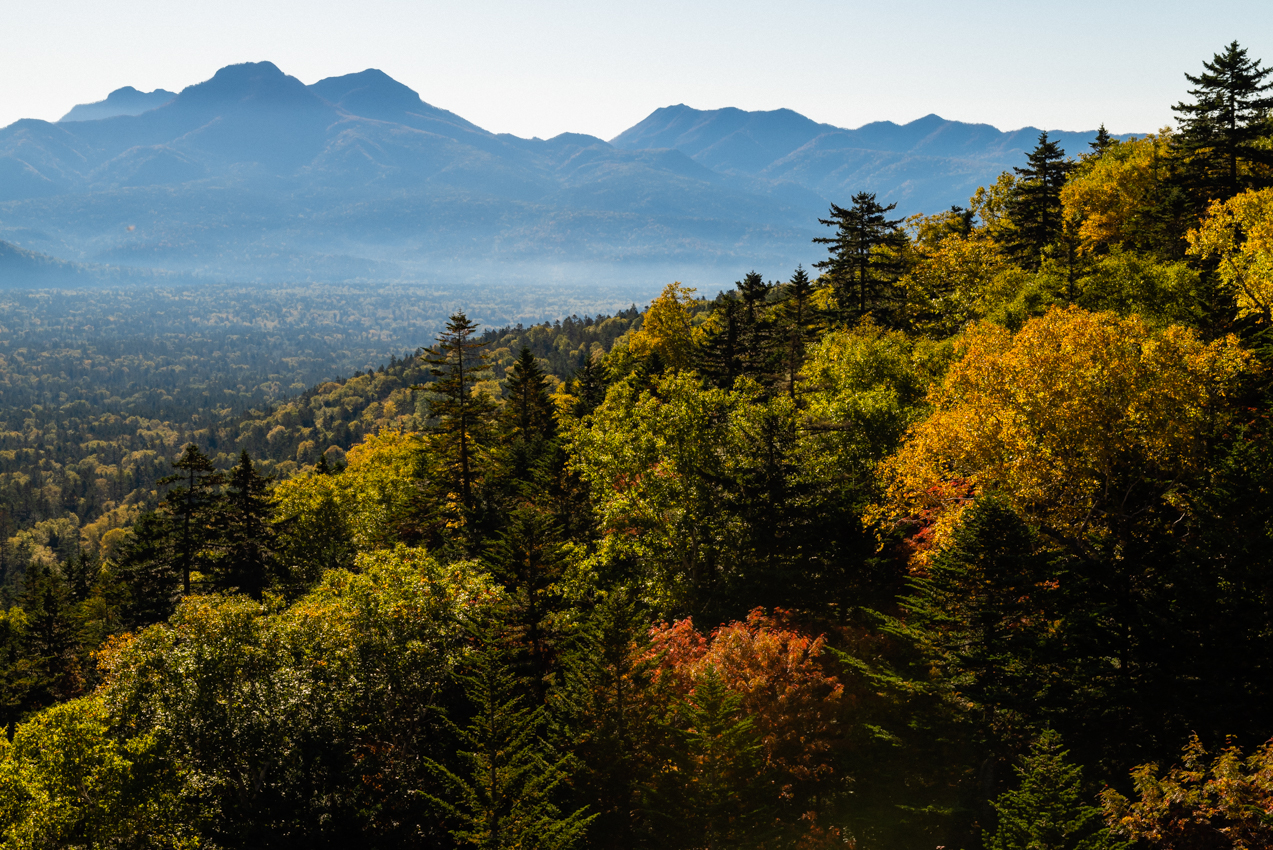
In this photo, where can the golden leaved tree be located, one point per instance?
(1082, 421)
(1239, 234)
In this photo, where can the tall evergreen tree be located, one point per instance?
(863, 265)
(1220, 130)
(1103, 141)
(1035, 205)
(193, 504)
(504, 794)
(248, 535)
(529, 415)
(461, 416)
(720, 357)
(798, 326)
(150, 569)
(1047, 810)
(589, 386)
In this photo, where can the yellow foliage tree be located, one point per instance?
(668, 329)
(1081, 420)
(1107, 200)
(1239, 233)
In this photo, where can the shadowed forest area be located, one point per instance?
(962, 538)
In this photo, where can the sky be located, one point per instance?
(543, 67)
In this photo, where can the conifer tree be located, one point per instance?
(1103, 141)
(863, 266)
(1047, 810)
(529, 415)
(589, 385)
(192, 504)
(798, 326)
(1035, 204)
(462, 416)
(721, 354)
(528, 559)
(248, 536)
(150, 568)
(503, 795)
(1220, 130)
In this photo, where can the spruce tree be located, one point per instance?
(247, 532)
(193, 505)
(504, 792)
(798, 326)
(1035, 204)
(461, 416)
(150, 569)
(1103, 141)
(528, 558)
(1220, 131)
(1047, 810)
(589, 386)
(720, 358)
(529, 414)
(863, 265)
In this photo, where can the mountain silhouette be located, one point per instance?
(253, 175)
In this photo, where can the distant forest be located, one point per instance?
(960, 538)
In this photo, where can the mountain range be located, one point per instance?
(255, 176)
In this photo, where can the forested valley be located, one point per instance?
(961, 538)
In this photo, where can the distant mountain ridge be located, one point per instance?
(253, 175)
(125, 101)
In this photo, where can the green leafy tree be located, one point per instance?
(1221, 130)
(1047, 810)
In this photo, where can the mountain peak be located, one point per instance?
(374, 94)
(256, 84)
(122, 101)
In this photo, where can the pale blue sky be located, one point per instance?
(542, 68)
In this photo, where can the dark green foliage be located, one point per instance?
(192, 505)
(459, 415)
(1035, 205)
(705, 793)
(863, 265)
(1049, 810)
(1103, 141)
(1219, 131)
(503, 793)
(247, 536)
(149, 568)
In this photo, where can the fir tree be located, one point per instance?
(798, 326)
(149, 567)
(248, 535)
(1035, 205)
(1047, 810)
(528, 559)
(589, 385)
(1103, 141)
(503, 795)
(1220, 130)
(720, 357)
(461, 415)
(863, 265)
(193, 505)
